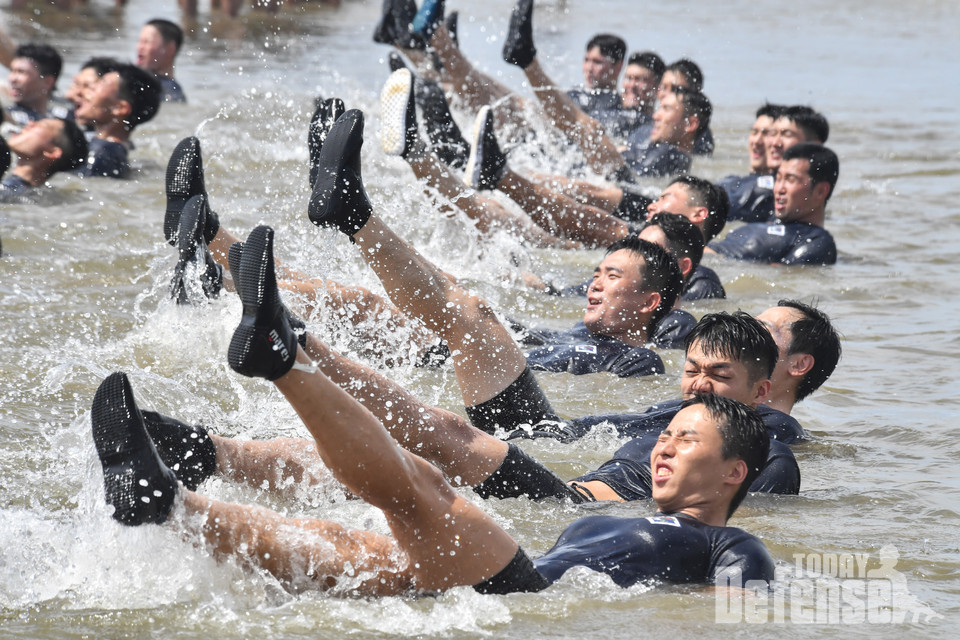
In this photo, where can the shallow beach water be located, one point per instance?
(83, 292)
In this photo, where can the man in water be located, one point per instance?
(33, 78)
(734, 356)
(157, 49)
(805, 180)
(115, 104)
(704, 462)
(43, 148)
(602, 63)
(684, 76)
(751, 196)
(634, 287)
(638, 96)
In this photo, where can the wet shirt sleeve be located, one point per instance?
(106, 160)
(703, 284)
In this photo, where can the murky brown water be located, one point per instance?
(83, 292)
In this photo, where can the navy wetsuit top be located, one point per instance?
(672, 331)
(594, 102)
(751, 197)
(780, 426)
(15, 189)
(703, 145)
(790, 243)
(622, 124)
(172, 91)
(57, 107)
(704, 283)
(669, 548)
(578, 351)
(106, 160)
(654, 159)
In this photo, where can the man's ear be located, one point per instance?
(650, 302)
(699, 215)
(691, 124)
(821, 190)
(738, 473)
(53, 154)
(121, 110)
(800, 364)
(686, 265)
(762, 392)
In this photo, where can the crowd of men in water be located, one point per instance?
(697, 456)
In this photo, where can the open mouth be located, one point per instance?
(662, 472)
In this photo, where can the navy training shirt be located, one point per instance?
(668, 548)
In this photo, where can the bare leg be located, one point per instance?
(357, 305)
(302, 553)
(273, 464)
(466, 455)
(448, 540)
(562, 215)
(476, 87)
(600, 152)
(485, 356)
(486, 212)
(605, 196)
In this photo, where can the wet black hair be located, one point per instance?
(74, 146)
(824, 164)
(689, 70)
(611, 47)
(48, 61)
(740, 337)
(142, 91)
(695, 103)
(683, 237)
(709, 195)
(649, 60)
(742, 434)
(773, 111)
(813, 123)
(169, 31)
(102, 65)
(813, 334)
(660, 272)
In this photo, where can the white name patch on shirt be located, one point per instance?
(667, 520)
(586, 348)
(776, 230)
(765, 182)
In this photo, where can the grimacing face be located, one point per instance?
(686, 464)
(721, 375)
(779, 321)
(36, 138)
(27, 84)
(152, 50)
(99, 99)
(675, 198)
